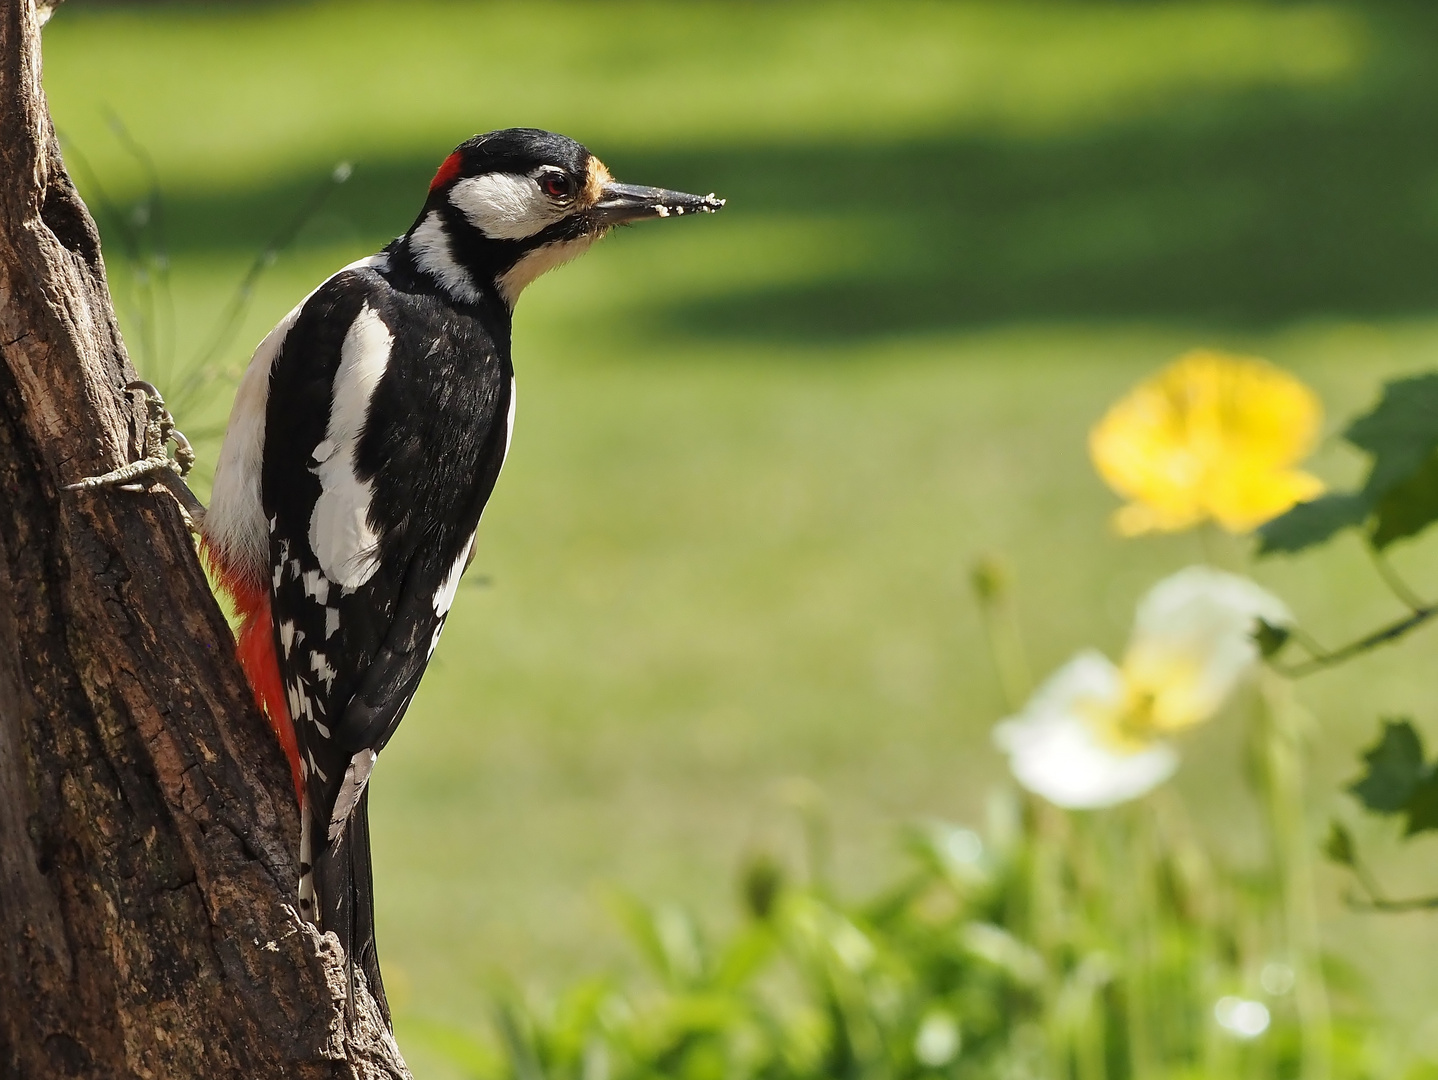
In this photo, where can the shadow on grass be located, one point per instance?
(1241, 212)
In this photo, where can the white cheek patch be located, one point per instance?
(340, 532)
(540, 260)
(505, 206)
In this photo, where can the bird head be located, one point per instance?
(507, 206)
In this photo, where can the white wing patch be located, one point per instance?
(444, 598)
(505, 206)
(320, 665)
(430, 244)
(351, 787)
(234, 524)
(340, 532)
(317, 586)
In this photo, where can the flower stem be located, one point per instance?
(1324, 659)
(992, 584)
(1395, 583)
(1137, 861)
(1281, 751)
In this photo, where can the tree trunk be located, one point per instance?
(147, 825)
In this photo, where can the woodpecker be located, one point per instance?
(365, 439)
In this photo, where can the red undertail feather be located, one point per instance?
(255, 647)
(448, 170)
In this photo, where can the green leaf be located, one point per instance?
(1395, 770)
(1408, 508)
(1423, 806)
(1270, 639)
(517, 1036)
(1339, 846)
(1312, 523)
(1401, 435)
(1401, 432)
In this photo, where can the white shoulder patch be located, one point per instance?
(430, 244)
(505, 206)
(234, 525)
(340, 532)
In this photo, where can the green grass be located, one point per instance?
(756, 454)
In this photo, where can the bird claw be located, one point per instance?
(154, 461)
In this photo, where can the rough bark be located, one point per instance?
(147, 826)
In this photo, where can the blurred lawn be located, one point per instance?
(756, 454)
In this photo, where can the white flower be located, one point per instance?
(1057, 750)
(1193, 643)
(1093, 734)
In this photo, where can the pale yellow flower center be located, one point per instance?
(1158, 700)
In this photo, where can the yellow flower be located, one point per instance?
(1211, 436)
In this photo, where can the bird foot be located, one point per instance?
(154, 462)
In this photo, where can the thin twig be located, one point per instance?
(1382, 636)
(202, 371)
(131, 245)
(1382, 904)
(1374, 898)
(1306, 641)
(160, 258)
(1399, 587)
(129, 241)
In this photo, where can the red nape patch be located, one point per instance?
(447, 171)
(255, 647)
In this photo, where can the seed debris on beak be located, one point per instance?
(622, 203)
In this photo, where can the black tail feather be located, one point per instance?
(344, 884)
(363, 884)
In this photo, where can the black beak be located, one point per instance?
(620, 203)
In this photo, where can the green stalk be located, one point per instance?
(1041, 921)
(1281, 722)
(993, 588)
(1136, 928)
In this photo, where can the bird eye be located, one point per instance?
(556, 185)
